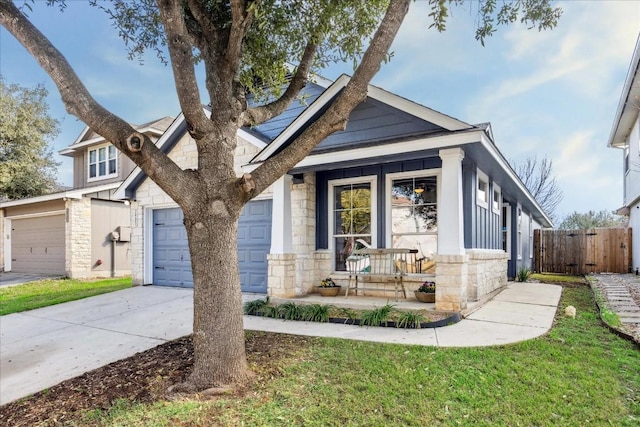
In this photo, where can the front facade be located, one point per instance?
(77, 233)
(399, 176)
(625, 135)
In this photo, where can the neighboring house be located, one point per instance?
(399, 175)
(70, 233)
(625, 135)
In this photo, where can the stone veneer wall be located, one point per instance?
(281, 275)
(469, 277)
(451, 282)
(148, 194)
(303, 239)
(3, 239)
(487, 272)
(136, 245)
(78, 260)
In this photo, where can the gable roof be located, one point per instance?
(89, 137)
(629, 103)
(385, 125)
(167, 141)
(381, 117)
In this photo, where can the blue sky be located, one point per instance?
(550, 94)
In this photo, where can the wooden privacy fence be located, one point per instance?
(577, 252)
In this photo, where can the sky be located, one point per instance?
(547, 94)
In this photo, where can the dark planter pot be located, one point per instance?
(424, 296)
(329, 292)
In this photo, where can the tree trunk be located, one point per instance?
(218, 330)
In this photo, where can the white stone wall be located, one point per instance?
(451, 282)
(3, 239)
(303, 219)
(487, 272)
(136, 244)
(148, 194)
(78, 260)
(282, 275)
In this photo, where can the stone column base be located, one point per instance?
(487, 272)
(451, 282)
(282, 275)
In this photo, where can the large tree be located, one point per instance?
(26, 130)
(592, 219)
(243, 46)
(538, 177)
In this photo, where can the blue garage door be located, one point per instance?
(171, 261)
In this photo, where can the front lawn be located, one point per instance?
(43, 293)
(578, 374)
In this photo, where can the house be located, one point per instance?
(625, 135)
(399, 175)
(70, 233)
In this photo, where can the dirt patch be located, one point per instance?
(143, 377)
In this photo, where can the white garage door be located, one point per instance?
(37, 245)
(172, 262)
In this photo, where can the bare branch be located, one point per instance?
(257, 115)
(79, 102)
(180, 51)
(336, 116)
(539, 179)
(241, 19)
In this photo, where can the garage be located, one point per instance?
(37, 245)
(171, 260)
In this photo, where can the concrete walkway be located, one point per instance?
(41, 348)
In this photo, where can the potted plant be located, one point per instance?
(426, 292)
(328, 288)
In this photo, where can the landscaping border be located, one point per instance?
(451, 320)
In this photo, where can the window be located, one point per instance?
(506, 229)
(352, 217)
(496, 205)
(413, 212)
(103, 162)
(482, 193)
(519, 233)
(530, 237)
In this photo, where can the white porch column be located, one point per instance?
(450, 214)
(281, 222)
(281, 280)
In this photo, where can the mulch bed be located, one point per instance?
(143, 377)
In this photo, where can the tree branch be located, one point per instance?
(79, 102)
(241, 19)
(261, 114)
(180, 52)
(336, 116)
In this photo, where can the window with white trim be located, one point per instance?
(519, 233)
(496, 202)
(103, 162)
(482, 189)
(506, 229)
(352, 219)
(530, 237)
(412, 211)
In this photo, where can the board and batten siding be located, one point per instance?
(482, 226)
(380, 171)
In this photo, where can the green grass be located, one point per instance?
(556, 278)
(578, 374)
(43, 293)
